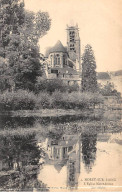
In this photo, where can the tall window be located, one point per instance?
(51, 59)
(64, 60)
(57, 59)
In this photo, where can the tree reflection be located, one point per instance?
(19, 163)
(6, 121)
(89, 150)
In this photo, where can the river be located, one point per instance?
(60, 153)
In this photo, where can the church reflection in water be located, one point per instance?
(69, 151)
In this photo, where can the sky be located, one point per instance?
(99, 24)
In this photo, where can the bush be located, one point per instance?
(43, 101)
(75, 100)
(51, 86)
(74, 87)
(57, 98)
(41, 85)
(18, 100)
(24, 100)
(109, 90)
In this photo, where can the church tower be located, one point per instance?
(73, 45)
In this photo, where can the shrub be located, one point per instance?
(57, 97)
(56, 84)
(41, 85)
(18, 100)
(109, 90)
(74, 87)
(24, 100)
(75, 100)
(43, 100)
(51, 86)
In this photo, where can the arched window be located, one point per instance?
(57, 59)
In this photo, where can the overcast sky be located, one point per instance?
(99, 22)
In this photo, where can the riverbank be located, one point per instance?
(53, 112)
(60, 122)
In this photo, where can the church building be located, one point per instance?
(64, 62)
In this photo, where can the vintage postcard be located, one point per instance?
(60, 95)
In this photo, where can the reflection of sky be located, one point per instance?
(52, 177)
(108, 163)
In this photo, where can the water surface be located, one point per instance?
(60, 153)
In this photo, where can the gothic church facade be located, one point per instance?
(64, 62)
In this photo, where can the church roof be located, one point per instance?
(58, 47)
(58, 167)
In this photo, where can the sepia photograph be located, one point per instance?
(60, 96)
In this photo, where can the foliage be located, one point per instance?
(109, 90)
(43, 100)
(51, 86)
(5, 81)
(73, 87)
(19, 100)
(24, 100)
(20, 33)
(89, 79)
(20, 158)
(69, 100)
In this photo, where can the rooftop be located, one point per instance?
(58, 47)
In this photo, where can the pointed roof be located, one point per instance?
(58, 167)
(58, 47)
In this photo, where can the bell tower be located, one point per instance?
(73, 45)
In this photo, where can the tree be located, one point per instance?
(19, 35)
(11, 16)
(5, 80)
(89, 78)
(109, 90)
